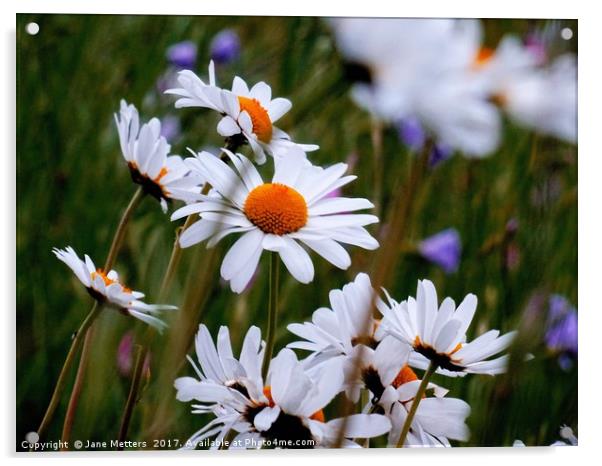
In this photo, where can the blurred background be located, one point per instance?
(504, 227)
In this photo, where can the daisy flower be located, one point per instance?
(438, 334)
(217, 364)
(146, 153)
(285, 413)
(421, 69)
(248, 114)
(543, 98)
(335, 331)
(105, 288)
(293, 208)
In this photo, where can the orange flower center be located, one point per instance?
(276, 208)
(262, 125)
(267, 391)
(100, 273)
(483, 56)
(108, 281)
(406, 374)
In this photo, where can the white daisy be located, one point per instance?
(294, 207)
(217, 364)
(146, 153)
(106, 289)
(421, 68)
(540, 97)
(248, 114)
(438, 334)
(337, 330)
(287, 413)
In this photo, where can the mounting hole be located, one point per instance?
(32, 28)
(566, 33)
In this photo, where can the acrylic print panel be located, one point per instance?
(264, 232)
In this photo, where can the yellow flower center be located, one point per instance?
(262, 125)
(275, 208)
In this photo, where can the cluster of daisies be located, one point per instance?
(287, 408)
(363, 344)
(438, 74)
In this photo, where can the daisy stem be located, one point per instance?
(141, 352)
(62, 380)
(83, 360)
(174, 260)
(120, 232)
(272, 313)
(415, 402)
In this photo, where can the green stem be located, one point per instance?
(113, 251)
(120, 232)
(272, 313)
(62, 380)
(141, 352)
(174, 260)
(415, 402)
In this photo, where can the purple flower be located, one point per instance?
(125, 356)
(182, 54)
(562, 334)
(411, 133)
(170, 128)
(225, 46)
(443, 249)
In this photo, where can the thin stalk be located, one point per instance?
(120, 232)
(272, 313)
(133, 394)
(113, 251)
(415, 402)
(76, 390)
(62, 380)
(174, 260)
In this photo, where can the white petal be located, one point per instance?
(297, 261)
(228, 127)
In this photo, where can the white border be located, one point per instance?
(590, 171)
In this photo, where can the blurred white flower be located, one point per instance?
(438, 334)
(106, 289)
(294, 207)
(146, 153)
(543, 98)
(248, 114)
(421, 68)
